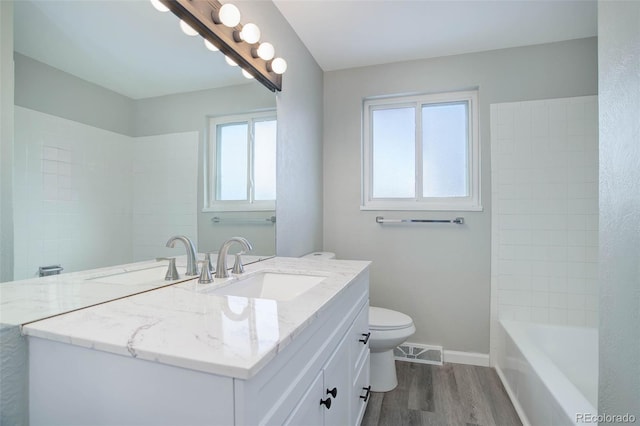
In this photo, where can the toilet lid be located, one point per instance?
(385, 319)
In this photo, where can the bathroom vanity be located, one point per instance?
(284, 343)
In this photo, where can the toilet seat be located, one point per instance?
(386, 319)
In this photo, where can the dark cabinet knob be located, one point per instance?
(367, 393)
(326, 403)
(365, 338)
(333, 392)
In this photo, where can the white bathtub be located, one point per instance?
(549, 371)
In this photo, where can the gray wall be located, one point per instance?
(46, 89)
(6, 141)
(437, 274)
(299, 206)
(619, 79)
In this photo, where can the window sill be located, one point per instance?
(392, 206)
(246, 208)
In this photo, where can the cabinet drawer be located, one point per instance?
(361, 390)
(359, 338)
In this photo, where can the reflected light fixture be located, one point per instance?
(187, 29)
(220, 27)
(159, 6)
(210, 46)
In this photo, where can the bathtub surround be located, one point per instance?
(72, 177)
(544, 255)
(164, 199)
(619, 83)
(438, 274)
(545, 211)
(69, 178)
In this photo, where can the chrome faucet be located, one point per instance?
(221, 265)
(192, 266)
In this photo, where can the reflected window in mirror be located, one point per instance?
(241, 162)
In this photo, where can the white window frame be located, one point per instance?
(211, 204)
(472, 202)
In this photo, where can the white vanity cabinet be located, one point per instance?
(331, 354)
(334, 395)
(325, 360)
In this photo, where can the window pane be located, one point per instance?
(393, 134)
(233, 159)
(265, 160)
(445, 150)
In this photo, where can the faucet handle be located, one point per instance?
(205, 273)
(207, 258)
(238, 268)
(172, 272)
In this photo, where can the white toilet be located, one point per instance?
(388, 329)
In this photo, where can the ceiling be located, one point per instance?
(125, 46)
(353, 33)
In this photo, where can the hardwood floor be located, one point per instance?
(452, 394)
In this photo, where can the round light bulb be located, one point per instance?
(159, 6)
(229, 15)
(246, 74)
(250, 33)
(230, 61)
(187, 29)
(266, 51)
(210, 46)
(279, 65)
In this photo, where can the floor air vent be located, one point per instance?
(424, 354)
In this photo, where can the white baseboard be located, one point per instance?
(470, 358)
(512, 397)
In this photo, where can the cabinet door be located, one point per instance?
(337, 386)
(309, 412)
(361, 393)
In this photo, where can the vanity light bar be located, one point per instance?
(201, 15)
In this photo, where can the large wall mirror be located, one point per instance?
(127, 132)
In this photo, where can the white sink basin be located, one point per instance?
(142, 276)
(271, 285)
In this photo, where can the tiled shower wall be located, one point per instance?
(80, 190)
(544, 160)
(165, 184)
(72, 194)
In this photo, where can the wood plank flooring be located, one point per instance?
(452, 394)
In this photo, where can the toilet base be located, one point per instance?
(383, 371)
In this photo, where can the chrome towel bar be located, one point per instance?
(457, 220)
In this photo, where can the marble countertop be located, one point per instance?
(34, 299)
(185, 325)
